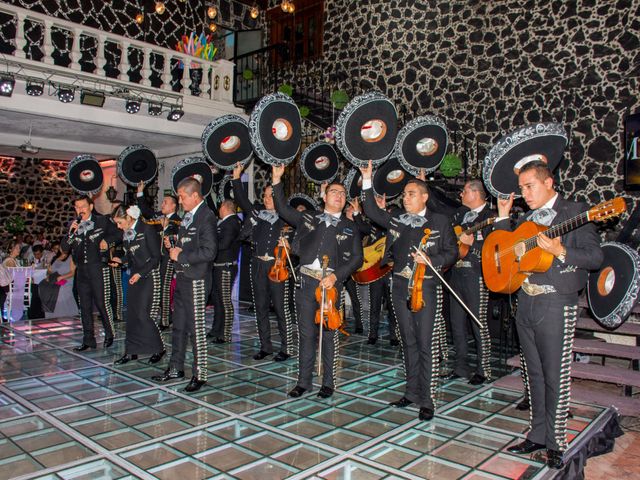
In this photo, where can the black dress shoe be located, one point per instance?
(210, 334)
(372, 340)
(218, 340)
(525, 447)
(524, 405)
(325, 392)
(169, 374)
(358, 330)
(125, 359)
(477, 379)
(297, 391)
(403, 402)
(108, 342)
(425, 414)
(554, 459)
(394, 342)
(281, 357)
(156, 357)
(82, 348)
(194, 385)
(260, 355)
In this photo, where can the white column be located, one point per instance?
(124, 61)
(166, 72)
(101, 58)
(75, 49)
(145, 73)
(47, 43)
(186, 78)
(20, 40)
(206, 82)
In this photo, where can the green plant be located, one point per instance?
(304, 111)
(451, 165)
(247, 74)
(286, 89)
(14, 225)
(339, 99)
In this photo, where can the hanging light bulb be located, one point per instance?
(254, 12)
(160, 8)
(139, 18)
(212, 12)
(292, 7)
(285, 6)
(213, 27)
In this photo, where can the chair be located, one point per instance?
(19, 292)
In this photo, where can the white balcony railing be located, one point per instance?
(216, 81)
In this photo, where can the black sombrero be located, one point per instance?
(218, 175)
(614, 289)
(225, 142)
(225, 189)
(319, 162)
(353, 183)
(542, 141)
(298, 199)
(275, 129)
(192, 167)
(390, 178)
(85, 175)
(422, 144)
(136, 164)
(366, 129)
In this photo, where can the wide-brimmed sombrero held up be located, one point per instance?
(366, 129)
(390, 178)
(275, 129)
(85, 175)
(422, 144)
(542, 141)
(319, 162)
(137, 163)
(195, 167)
(225, 142)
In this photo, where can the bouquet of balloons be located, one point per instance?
(197, 46)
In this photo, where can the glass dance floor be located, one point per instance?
(68, 415)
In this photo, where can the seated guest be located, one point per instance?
(39, 260)
(61, 274)
(13, 260)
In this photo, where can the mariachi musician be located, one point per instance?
(466, 279)
(167, 222)
(318, 235)
(265, 228)
(225, 269)
(404, 233)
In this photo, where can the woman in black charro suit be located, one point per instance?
(141, 246)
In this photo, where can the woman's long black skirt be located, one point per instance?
(143, 336)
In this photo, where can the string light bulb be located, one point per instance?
(285, 6)
(160, 8)
(254, 12)
(139, 18)
(292, 7)
(212, 11)
(213, 27)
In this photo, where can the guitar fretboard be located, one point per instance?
(479, 226)
(559, 229)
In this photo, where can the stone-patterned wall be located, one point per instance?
(42, 183)
(490, 67)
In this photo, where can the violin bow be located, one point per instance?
(286, 251)
(464, 305)
(321, 326)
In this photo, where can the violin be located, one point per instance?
(279, 272)
(327, 299)
(415, 302)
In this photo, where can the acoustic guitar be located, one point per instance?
(508, 258)
(371, 269)
(463, 248)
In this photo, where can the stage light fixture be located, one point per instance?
(35, 88)
(155, 109)
(7, 83)
(175, 114)
(133, 106)
(95, 99)
(66, 94)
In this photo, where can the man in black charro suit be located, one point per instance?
(193, 259)
(548, 308)
(404, 232)
(318, 234)
(225, 268)
(468, 283)
(88, 241)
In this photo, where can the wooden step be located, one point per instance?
(627, 328)
(606, 349)
(584, 394)
(591, 371)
